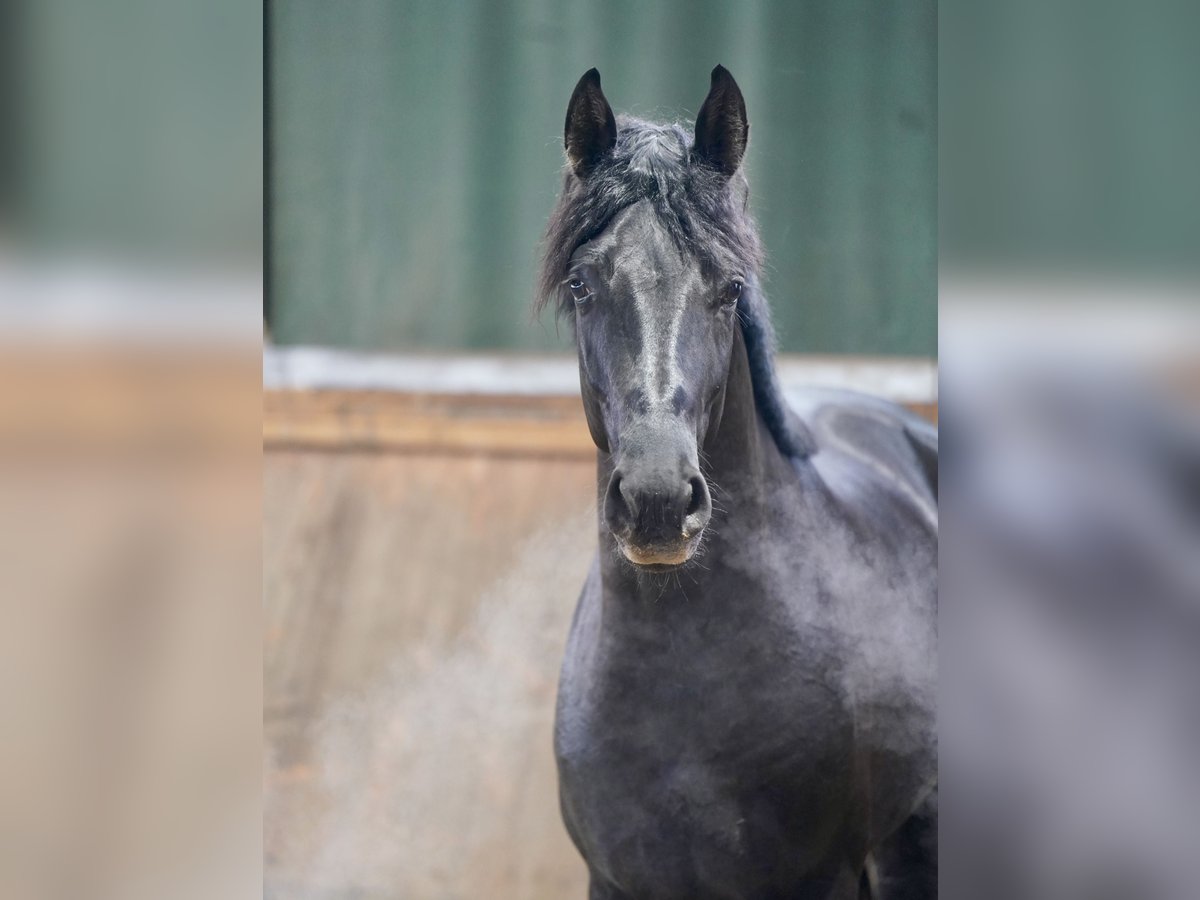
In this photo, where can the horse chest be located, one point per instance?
(666, 824)
(687, 781)
(659, 832)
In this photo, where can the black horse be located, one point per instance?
(747, 703)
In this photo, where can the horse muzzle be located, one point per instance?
(657, 516)
(659, 558)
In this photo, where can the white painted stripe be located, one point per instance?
(664, 352)
(674, 373)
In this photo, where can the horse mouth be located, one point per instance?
(659, 558)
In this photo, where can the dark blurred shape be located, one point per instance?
(1070, 392)
(1071, 649)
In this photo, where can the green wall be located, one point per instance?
(415, 147)
(131, 130)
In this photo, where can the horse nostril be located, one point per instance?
(618, 507)
(699, 496)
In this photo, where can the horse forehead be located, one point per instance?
(643, 250)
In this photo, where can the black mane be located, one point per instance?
(705, 212)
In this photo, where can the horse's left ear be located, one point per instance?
(721, 127)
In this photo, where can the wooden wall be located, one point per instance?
(416, 605)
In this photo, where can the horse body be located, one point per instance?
(715, 737)
(758, 720)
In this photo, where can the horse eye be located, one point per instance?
(733, 292)
(578, 289)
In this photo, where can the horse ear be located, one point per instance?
(591, 129)
(721, 127)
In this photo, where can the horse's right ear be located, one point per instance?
(591, 129)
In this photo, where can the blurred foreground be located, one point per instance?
(1070, 598)
(129, 583)
(1070, 385)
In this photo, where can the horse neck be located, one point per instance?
(741, 456)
